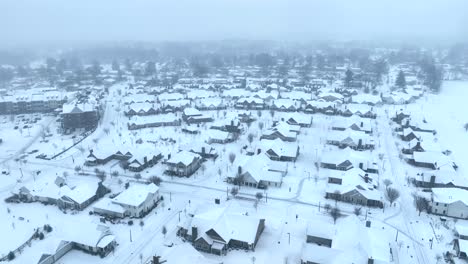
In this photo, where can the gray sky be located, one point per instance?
(84, 21)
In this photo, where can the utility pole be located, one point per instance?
(130, 235)
(396, 238)
(289, 238)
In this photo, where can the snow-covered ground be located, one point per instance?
(301, 193)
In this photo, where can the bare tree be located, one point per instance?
(327, 207)
(115, 174)
(156, 180)
(234, 191)
(232, 157)
(357, 211)
(272, 113)
(335, 213)
(261, 125)
(137, 176)
(164, 231)
(77, 169)
(259, 196)
(387, 182)
(259, 113)
(466, 127)
(421, 203)
(391, 194)
(250, 138)
(106, 130)
(336, 196)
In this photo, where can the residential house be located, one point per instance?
(250, 103)
(281, 151)
(94, 240)
(219, 230)
(79, 115)
(452, 202)
(356, 140)
(194, 116)
(183, 163)
(136, 201)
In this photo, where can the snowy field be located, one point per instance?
(301, 193)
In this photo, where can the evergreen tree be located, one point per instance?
(150, 68)
(348, 77)
(115, 66)
(401, 80)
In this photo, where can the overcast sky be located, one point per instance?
(84, 21)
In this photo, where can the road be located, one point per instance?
(399, 183)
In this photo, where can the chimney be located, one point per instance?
(362, 124)
(169, 156)
(145, 160)
(194, 233)
(156, 260)
(232, 122)
(203, 150)
(370, 261)
(239, 170)
(418, 145)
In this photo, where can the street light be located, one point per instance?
(179, 215)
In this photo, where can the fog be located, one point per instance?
(31, 22)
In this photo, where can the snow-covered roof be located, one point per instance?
(136, 194)
(450, 195)
(184, 157)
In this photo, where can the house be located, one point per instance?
(94, 240)
(173, 106)
(283, 131)
(281, 151)
(232, 125)
(219, 230)
(452, 202)
(331, 97)
(408, 134)
(367, 99)
(346, 159)
(136, 201)
(79, 115)
(104, 154)
(360, 110)
(461, 243)
(218, 136)
(431, 160)
(162, 120)
(258, 172)
(356, 124)
(285, 105)
(141, 109)
(443, 178)
(194, 116)
(210, 104)
(312, 106)
(73, 194)
(347, 241)
(204, 150)
(353, 175)
(299, 120)
(250, 103)
(183, 163)
(142, 160)
(356, 140)
(361, 194)
(183, 253)
(399, 116)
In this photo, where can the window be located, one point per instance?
(437, 204)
